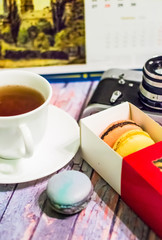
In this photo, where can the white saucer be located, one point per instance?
(58, 147)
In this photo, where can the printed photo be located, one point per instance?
(35, 33)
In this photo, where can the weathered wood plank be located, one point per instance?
(56, 88)
(128, 225)
(24, 210)
(91, 91)
(86, 225)
(72, 97)
(153, 236)
(53, 225)
(6, 192)
(95, 221)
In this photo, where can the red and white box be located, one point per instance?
(136, 177)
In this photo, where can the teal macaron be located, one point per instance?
(69, 191)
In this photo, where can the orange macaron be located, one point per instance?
(116, 129)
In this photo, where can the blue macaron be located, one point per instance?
(69, 191)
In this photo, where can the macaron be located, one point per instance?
(69, 191)
(116, 129)
(132, 141)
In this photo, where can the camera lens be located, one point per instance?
(150, 90)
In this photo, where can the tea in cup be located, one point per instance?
(24, 100)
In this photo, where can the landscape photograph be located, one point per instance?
(36, 33)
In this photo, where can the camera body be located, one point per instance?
(117, 86)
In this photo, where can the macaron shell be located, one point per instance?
(131, 142)
(69, 188)
(115, 133)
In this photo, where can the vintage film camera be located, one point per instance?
(141, 88)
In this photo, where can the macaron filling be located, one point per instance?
(71, 209)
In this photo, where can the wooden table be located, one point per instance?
(24, 210)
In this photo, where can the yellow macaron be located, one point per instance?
(132, 141)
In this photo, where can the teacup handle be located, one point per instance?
(28, 140)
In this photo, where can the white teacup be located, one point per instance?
(21, 134)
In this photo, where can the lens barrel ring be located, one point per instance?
(149, 95)
(151, 66)
(150, 90)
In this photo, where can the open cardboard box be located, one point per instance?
(137, 177)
